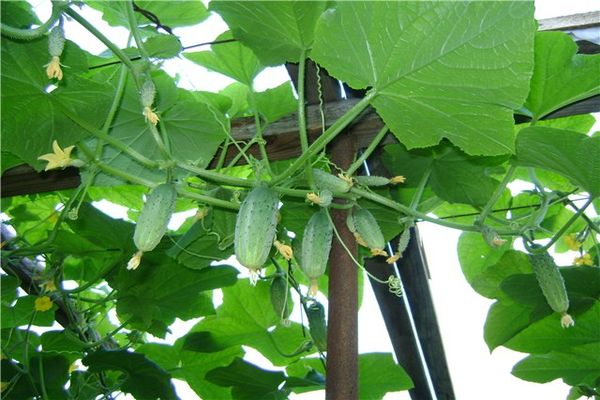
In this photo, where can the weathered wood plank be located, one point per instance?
(570, 22)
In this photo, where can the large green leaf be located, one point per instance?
(161, 290)
(231, 59)
(246, 317)
(560, 76)
(547, 335)
(248, 381)
(453, 70)
(277, 31)
(571, 154)
(32, 115)
(576, 366)
(379, 374)
(476, 256)
(455, 176)
(487, 283)
(143, 378)
(193, 129)
(277, 103)
(18, 14)
(24, 313)
(505, 319)
(8, 289)
(169, 13)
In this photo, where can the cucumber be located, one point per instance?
(317, 325)
(326, 181)
(255, 227)
(316, 245)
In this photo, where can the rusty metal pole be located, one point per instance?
(342, 331)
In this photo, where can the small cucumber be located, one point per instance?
(154, 217)
(552, 284)
(326, 181)
(255, 227)
(56, 41)
(317, 325)
(280, 298)
(316, 245)
(371, 180)
(367, 231)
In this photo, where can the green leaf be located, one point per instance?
(18, 14)
(8, 289)
(505, 319)
(63, 343)
(276, 31)
(547, 335)
(206, 241)
(33, 118)
(455, 176)
(55, 370)
(33, 216)
(248, 381)
(476, 256)
(488, 282)
(238, 94)
(161, 290)
(231, 59)
(576, 366)
(246, 317)
(571, 154)
(143, 378)
(163, 46)
(8, 161)
(560, 76)
(379, 374)
(23, 313)
(417, 58)
(277, 103)
(194, 129)
(171, 14)
(20, 341)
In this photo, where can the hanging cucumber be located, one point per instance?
(153, 220)
(553, 285)
(316, 245)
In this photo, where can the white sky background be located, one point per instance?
(476, 374)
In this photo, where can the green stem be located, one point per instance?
(223, 154)
(108, 336)
(113, 110)
(302, 119)
(368, 151)
(259, 134)
(325, 138)
(558, 234)
(42, 378)
(133, 27)
(112, 47)
(29, 34)
(215, 176)
(384, 201)
(159, 141)
(414, 203)
(241, 152)
(145, 161)
(497, 194)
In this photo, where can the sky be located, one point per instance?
(476, 374)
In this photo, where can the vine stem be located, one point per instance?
(302, 118)
(116, 51)
(259, 132)
(384, 201)
(133, 26)
(368, 151)
(145, 161)
(558, 234)
(29, 34)
(414, 203)
(497, 194)
(325, 138)
(113, 110)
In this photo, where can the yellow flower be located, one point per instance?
(566, 320)
(586, 259)
(201, 214)
(379, 252)
(43, 303)
(150, 116)
(60, 158)
(135, 260)
(283, 249)
(346, 178)
(313, 198)
(359, 239)
(394, 258)
(572, 242)
(49, 286)
(53, 69)
(397, 179)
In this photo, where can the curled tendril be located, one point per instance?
(395, 285)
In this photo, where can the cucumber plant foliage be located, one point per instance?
(445, 78)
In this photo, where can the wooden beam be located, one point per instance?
(570, 22)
